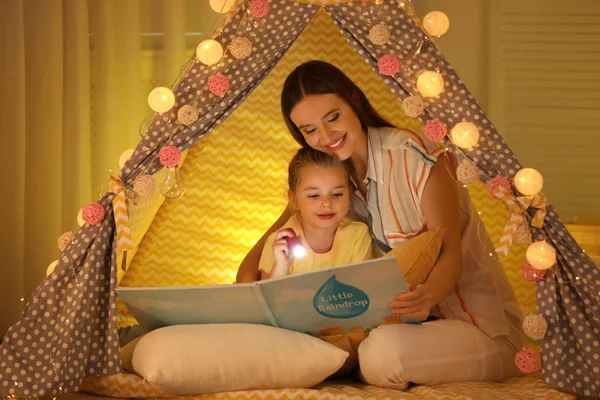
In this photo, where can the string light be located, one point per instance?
(430, 84)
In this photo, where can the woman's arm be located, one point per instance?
(441, 207)
(248, 270)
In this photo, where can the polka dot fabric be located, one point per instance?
(568, 297)
(68, 328)
(67, 331)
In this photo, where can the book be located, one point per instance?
(350, 298)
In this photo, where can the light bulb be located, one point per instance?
(541, 255)
(465, 135)
(126, 155)
(161, 99)
(221, 6)
(436, 23)
(529, 181)
(295, 246)
(80, 220)
(172, 186)
(430, 84)
(209, 52)
(51, 267)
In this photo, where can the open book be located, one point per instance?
(350, 298)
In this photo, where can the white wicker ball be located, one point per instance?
(144, 185)
(467, 173)
(187, 115)
(523, 234)
(379, 35)
(64, 240)
(413, 106)
(535, 326)
(240, 47)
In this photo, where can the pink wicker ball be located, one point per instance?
(64, 240)
(144, 185)
(169, 156)
(528, 361)
(498, 181)
(218, 84)
(93, 213)
(535, 326)
(259, 8)
(435, 130)
(388, 65)
(531, 273)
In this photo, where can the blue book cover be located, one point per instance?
(350, 298)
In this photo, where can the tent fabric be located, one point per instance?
(54, 345)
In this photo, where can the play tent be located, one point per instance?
(234, 173)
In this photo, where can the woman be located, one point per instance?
(404, 186)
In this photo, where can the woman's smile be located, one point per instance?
(337, 144)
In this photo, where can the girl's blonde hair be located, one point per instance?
(309, 156)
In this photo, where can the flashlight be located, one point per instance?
(295, 245)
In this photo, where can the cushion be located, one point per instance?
(418, 255)
(127, 355)
(199, 359)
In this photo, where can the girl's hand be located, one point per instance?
(415, 304)
(281, 253)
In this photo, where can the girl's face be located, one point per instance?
(322, 196)
(328, 124)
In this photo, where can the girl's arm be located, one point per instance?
(441, 206)
(248, 270)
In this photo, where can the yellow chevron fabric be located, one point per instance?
(494, 213)
(236, 182)
(525, 388)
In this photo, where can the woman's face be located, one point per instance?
(328, 124)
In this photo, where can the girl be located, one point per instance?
(404, 186)
(320, 199)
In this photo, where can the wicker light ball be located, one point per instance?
(467, 173)
(240, 47)
(259, 8)
(218, 84)
(93, 213)
(388, 65)
(523, 234)
(531, 273)
(413, 106)
(64, 240)
(435, 130)
(379, 35)
(169, 156)
(498, 181)
(187, 115)
(144, 185)
(528, 361)
(535, 326)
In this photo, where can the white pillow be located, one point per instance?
(199, 359)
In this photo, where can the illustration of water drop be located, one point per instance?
(338, 300)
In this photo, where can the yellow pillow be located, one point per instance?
(418, 255)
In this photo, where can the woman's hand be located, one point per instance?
(281, 253)
(417, 303)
